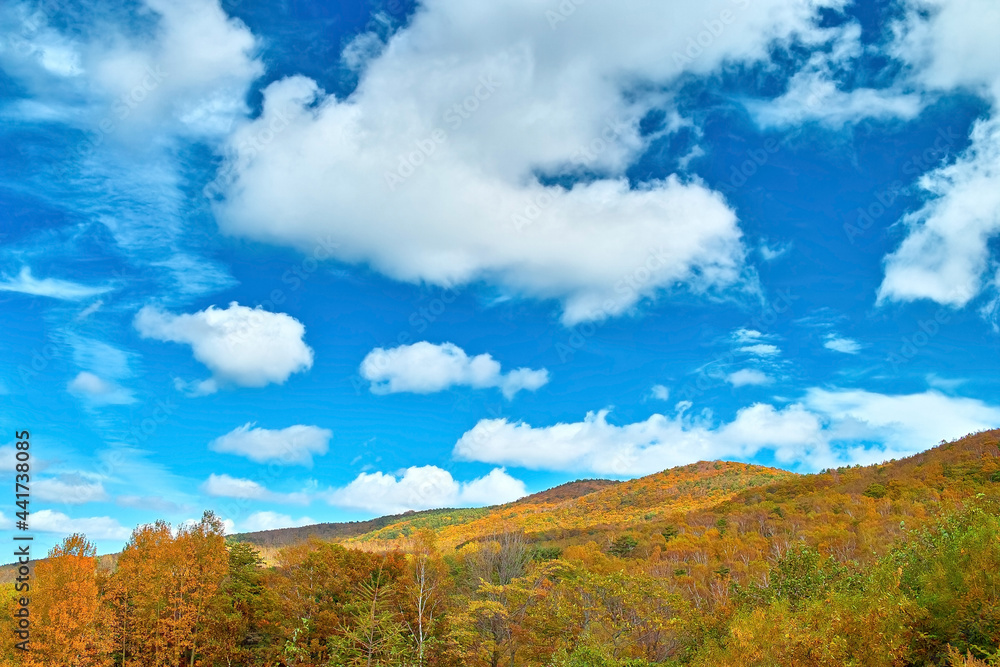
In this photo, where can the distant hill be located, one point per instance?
(590, 508)
(851, 511)
(340, 531)
(567, 491)
(435, 518)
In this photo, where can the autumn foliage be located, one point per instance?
(721, 564)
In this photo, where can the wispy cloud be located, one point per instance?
(841, 344)
(224, 486)
(54, 288)
(761, 350)
(99, 391)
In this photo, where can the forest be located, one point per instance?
(714, 563)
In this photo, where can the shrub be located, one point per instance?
(876, 491)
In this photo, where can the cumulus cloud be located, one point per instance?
(748, 376)
(273, 521)
(249, 347)
(425, 368)
(54, 288)
(945, 254)
(224, 486)
(903, 423)
(96, 528)
(72, 489)
(432, 163)
(425, 487)
(98, 391)
(294, 445)
(825, 428)
(189, 72)
(840, 344)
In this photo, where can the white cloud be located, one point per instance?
(71, 489)
(828, 427)
(154, 503)
(5, 523)
(660, 392)
(493, 488)
(125, 92)
(840, 344)
(815, 91)
(272, 521)
(744, 335)
(431, 163)
(188, 70)
(54, 288)
(249, 347)
(814, 95)
(944, 47)
(762, 349)
(98, 391)
(96, 528)
(294, 445)
(424, 368)
(224, 486)
(945, 255)
(425, 487)
(903, 423)
(99, 357)
(769, 254)
(90, 310)
(951, 44)
(945, 384)
(748, 376)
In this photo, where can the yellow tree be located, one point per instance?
(161, 591)
(136, 597)
(64, 601)
(198, 572)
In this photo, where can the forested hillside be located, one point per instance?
(713, 563)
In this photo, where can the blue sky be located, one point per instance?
(307, 261)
